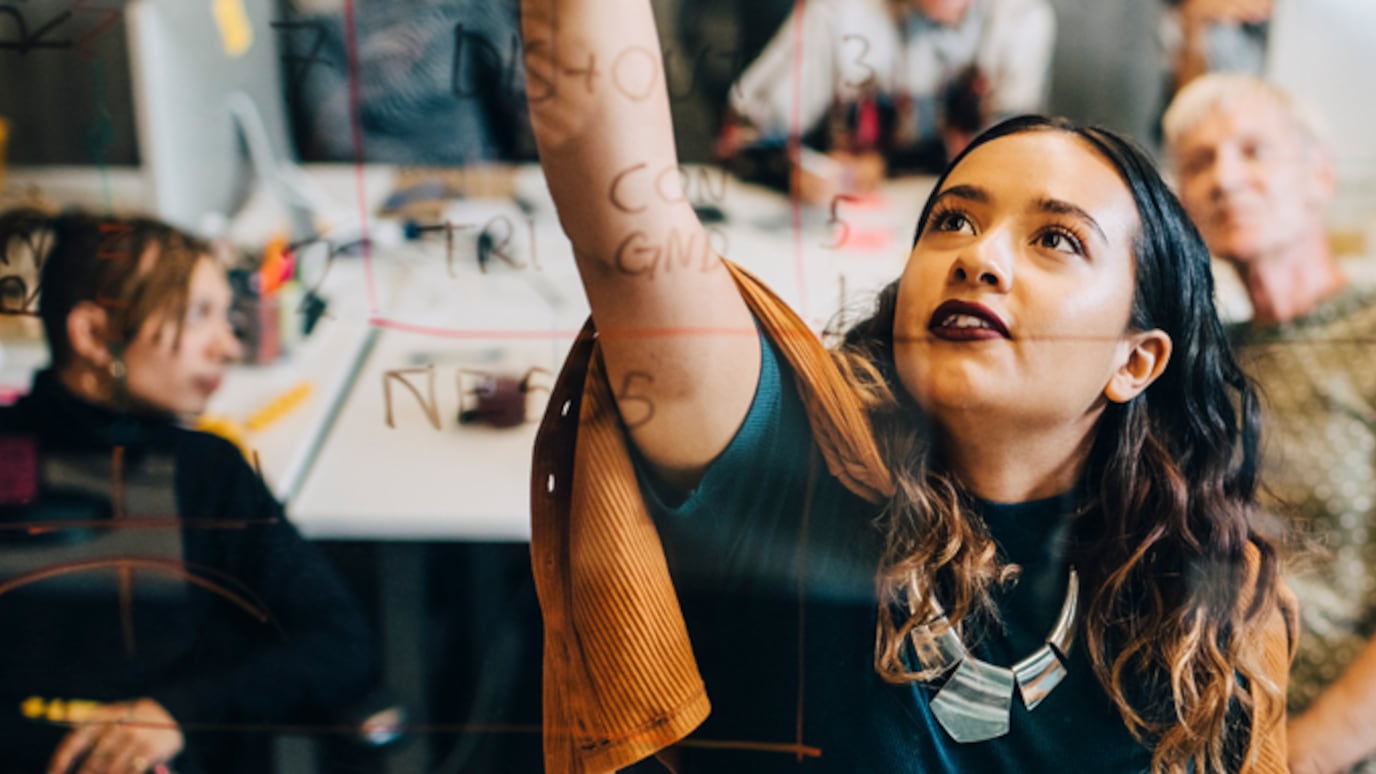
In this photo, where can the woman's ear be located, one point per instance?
(88, 333)
(1146, 359)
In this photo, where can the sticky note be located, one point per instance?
(235, 30)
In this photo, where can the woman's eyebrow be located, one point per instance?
(1062, 207)
(971, 193)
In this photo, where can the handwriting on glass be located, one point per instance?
(483, 397)
(301, 66)
(633, 71)
(24, 40)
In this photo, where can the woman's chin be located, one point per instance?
(941, 401)
(957, 386)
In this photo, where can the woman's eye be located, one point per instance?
(199, 313)
(1064, 243)
(954, 221)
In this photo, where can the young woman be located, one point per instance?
(1038, 449)
(221, 614)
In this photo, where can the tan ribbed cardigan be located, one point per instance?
(620, 680)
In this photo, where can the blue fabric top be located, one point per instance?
(776, 580)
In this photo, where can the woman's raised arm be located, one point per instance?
(679, 344)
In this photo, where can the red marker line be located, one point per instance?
(356, 130)
(795, 152)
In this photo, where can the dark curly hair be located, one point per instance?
(1164, 520)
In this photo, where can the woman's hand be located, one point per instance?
(126, 738)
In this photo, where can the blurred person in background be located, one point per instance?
(1255, 170)
(224, 616)
(886, 86)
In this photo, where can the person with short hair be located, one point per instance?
(1255, 169)
(158, 607)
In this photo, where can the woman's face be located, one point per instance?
(175, 375)
(1015, 302)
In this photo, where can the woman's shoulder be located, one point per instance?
(212, 470)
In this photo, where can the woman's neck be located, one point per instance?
(1009, 465)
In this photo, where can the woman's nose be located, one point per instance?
(987, 263)
(228, 345)
(1226, 172)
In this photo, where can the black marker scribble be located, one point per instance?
(672, 184)
(431, 408)
(588, 72)
(639, 256)
(869, 80)
(16, 297)
(694, 69)
(842, 227)
(301, 66)
(463, 71)
(625, 397)
(495, 399)
(25, 41)
(494, 241)
(448, 229)
(634, 72)
(549, 88)
(625, 61)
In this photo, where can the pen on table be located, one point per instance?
(234, 431)
(279, 406)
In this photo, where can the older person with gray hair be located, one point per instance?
(1254, 170)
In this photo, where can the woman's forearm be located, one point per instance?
(674, 332)
(599, 108)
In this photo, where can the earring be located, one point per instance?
(119, 375)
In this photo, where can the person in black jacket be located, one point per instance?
(138, 639)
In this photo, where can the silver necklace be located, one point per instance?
(975, 702)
